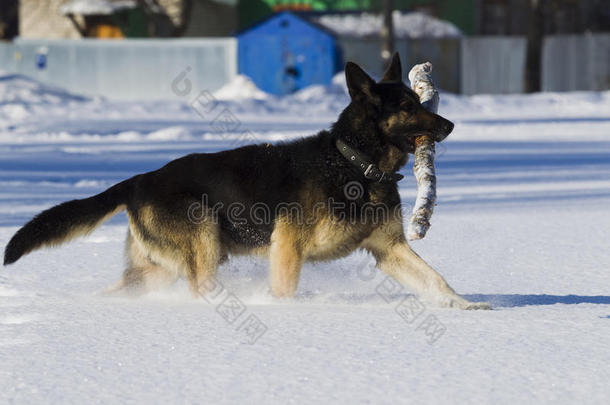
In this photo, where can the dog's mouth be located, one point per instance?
(432, 125)
(440, 129)
(439, 133)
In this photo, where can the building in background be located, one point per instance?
(509, 17)
(459, 12)
(472, 17)
(476, 46)
(291, 50)
(210, 18)
(126, 18)
(286, 53)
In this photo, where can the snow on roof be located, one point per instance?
(406, 25)
(89, 7)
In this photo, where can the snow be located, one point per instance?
(20, 95)
(241, 87)
(406, 25)
(522, 222)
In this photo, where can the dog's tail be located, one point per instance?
(67, 221)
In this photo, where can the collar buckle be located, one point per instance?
(359, 160)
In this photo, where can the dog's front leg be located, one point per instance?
(286, 259)
(396, 258)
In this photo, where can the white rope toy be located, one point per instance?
(423, 167)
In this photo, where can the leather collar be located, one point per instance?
(368, 168)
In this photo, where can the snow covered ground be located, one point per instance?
(522, 221)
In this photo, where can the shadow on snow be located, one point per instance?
(522, 300)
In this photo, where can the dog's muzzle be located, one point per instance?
(445, 130)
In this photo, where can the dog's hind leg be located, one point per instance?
(286, 260)
(141, 274)
(396, 258)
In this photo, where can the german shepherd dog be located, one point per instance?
(314, 199)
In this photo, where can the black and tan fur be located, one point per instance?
(164, 243)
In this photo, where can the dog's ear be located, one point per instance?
(359, 84)
(394, 72)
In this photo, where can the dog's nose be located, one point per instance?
(448, 127)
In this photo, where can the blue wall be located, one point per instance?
(285, 53)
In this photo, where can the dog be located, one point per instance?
(314, 199)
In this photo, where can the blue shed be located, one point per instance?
(285, 53)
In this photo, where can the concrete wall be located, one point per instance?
(135, 69)
(127, 69)
(366, 52)
(443, 53)
(576, 62)
(469, 65)
(493, 65)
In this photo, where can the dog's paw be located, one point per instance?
(477, 305)
(461, 303)
(455, 301)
